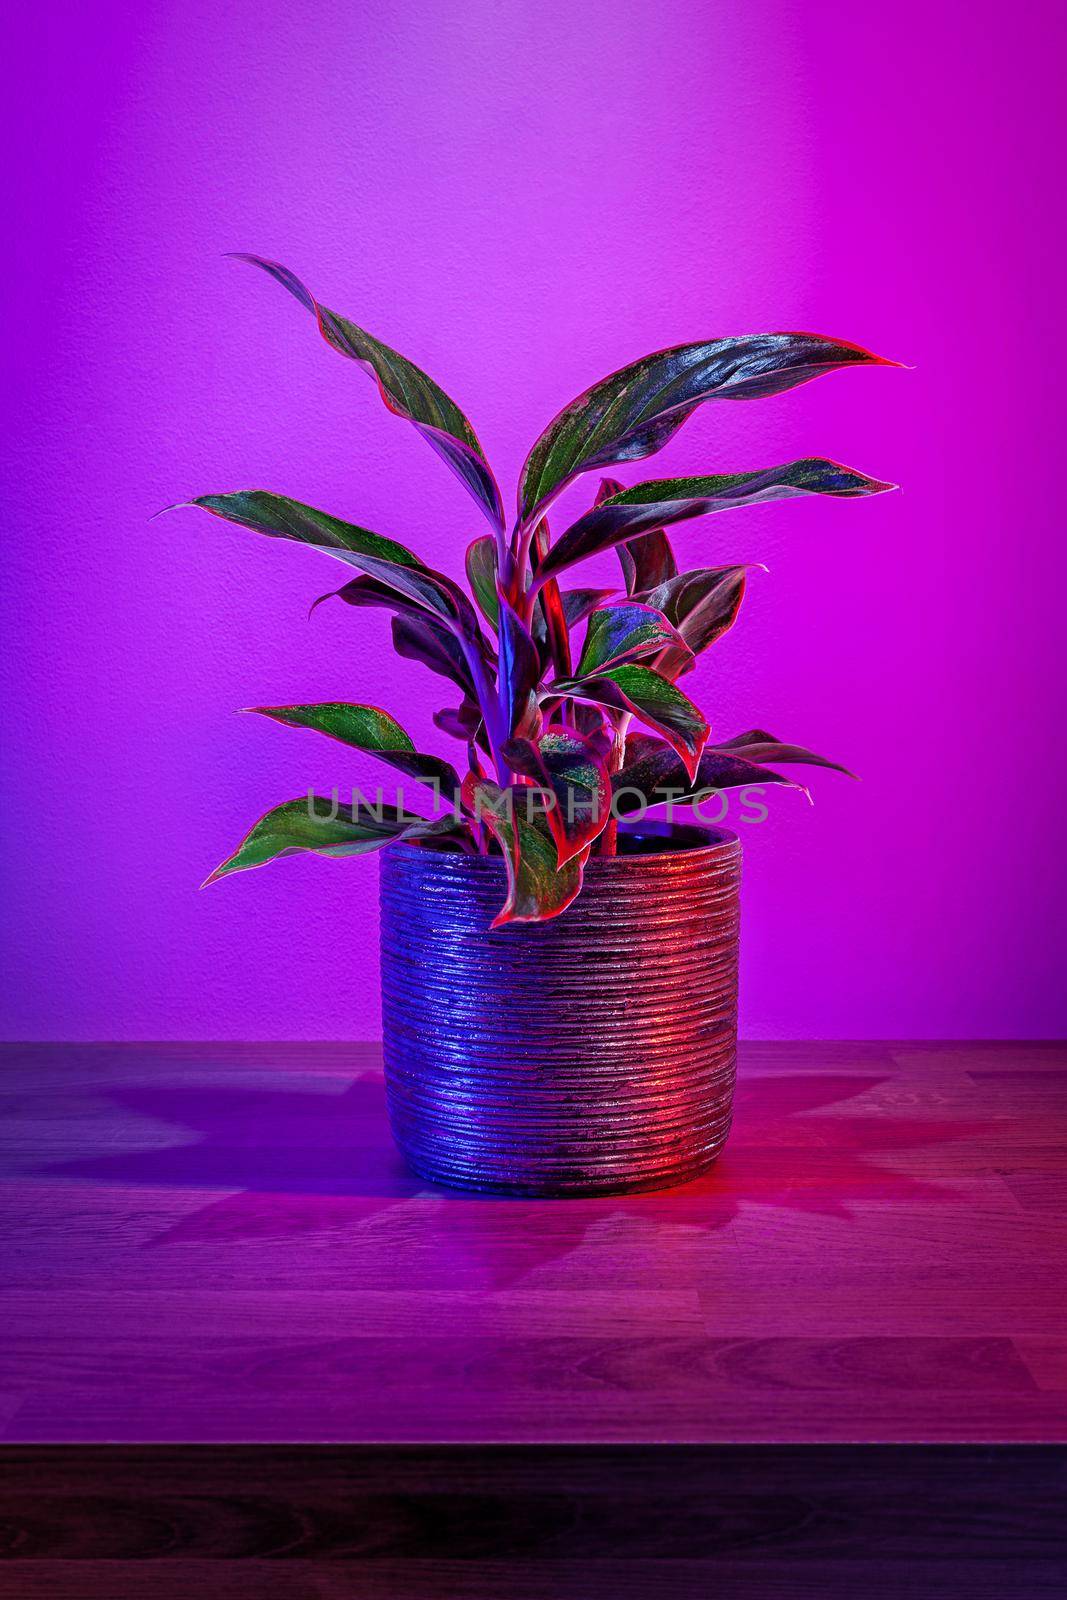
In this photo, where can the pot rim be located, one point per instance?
(672, 839)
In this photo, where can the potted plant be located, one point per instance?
(559, 975)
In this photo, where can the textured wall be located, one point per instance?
(523, 196)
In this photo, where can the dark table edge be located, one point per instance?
(533, 1503)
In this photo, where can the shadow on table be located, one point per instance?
(297, 1162)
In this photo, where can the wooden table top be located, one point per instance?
(218, 1242)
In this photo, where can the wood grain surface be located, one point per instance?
(219, 1243)
(244, 1353)
(756, 1522)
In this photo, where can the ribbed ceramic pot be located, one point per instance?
(591, 1054)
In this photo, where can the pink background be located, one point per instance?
(523, 196)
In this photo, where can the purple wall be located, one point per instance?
(523, 196)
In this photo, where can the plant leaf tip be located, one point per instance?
(879, 486)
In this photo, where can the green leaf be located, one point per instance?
(419, 638)
(578, 603)
(572, 770)
(368, 728)
(417, 633)
(702, 605)
(481, 568)
(362, 727)
(393, 564)
(635, 411)
(368, 592)
(538, 889)
(653, 774)
(758, 745)
(652, 699)
(312, 823)
(406, 390)
(622, 632)
(591, 720)
(465, 723)
(647, 560)
(668, 500)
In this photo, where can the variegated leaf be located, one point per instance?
(464, 723)
(369, 592)
(703, 605)
(393, 564)
(757, 745)
(371, 729)
(625, 631)
(635, 411)
(578, 603)
(406, 390)
(326, 829)
(647, 560)
(417, 634)
(653, 774)
(572, 769)
(422, 639)
(538, 888)
(481, 565)
(652, 699)
(671, 500)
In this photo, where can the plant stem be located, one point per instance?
(608, 841)
(524, 596)
(491, 710)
